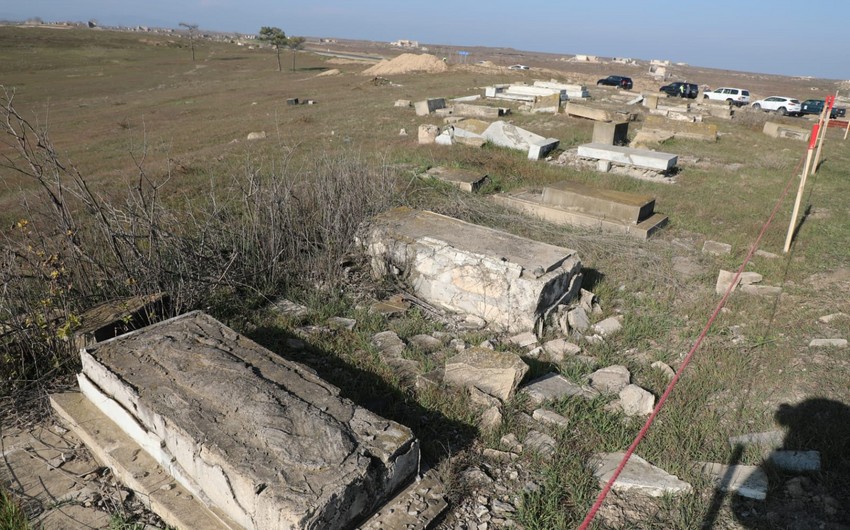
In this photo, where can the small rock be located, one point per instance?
(388, 343)
(828, 343)
(495, 373)
(608, 327)
(472, 322)
(257, 135)
(664, 368)
(342, 323)
(511, 443)
(761, 290)
(548, 417)
(746, 481)
(425, 343)
(289, 308)
(715, 248)
(610, 379)
(491, 419)
(827, 319)
(796, 461)
(636, 401)
(638, 476)
(502, 508)
(587, 301)
(771, 439)
(523, 340)
(553, 386)
(487, 344)
(541, 443)
(402, 132)
(560, 348)
(499, 456)
(764, 254)
(457, 345)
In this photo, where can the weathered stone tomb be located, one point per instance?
(261, 439)
(509, 281)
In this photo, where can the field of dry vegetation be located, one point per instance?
(125, 169)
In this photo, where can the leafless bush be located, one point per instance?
(250, 236)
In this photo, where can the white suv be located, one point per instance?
(736, 96)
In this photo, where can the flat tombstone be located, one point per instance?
(263, 439)
(113, 318)
(591, 113)
(469, 181)
(427, 106)
(627, 156)
(607, 204)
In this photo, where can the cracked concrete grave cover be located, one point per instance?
(509, 281)
(263, 439)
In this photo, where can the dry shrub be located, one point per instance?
(249, 237)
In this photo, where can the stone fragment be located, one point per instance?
(553, 386)
(257, 135)
(388, 343)
(717, 249)
(482, 399)
(115, 317)
(446, 136)
(491, 419)
(725, 278)
(746, 481)
(611, 379)
(265, 440)
(550, 418)
(425, 343)
(524, 340)
(764, 254)
(610, 133)
(540, 443)
(342, 323)
(636, 401)
(664, 368)
(827, 319)
(289, 309)
(469, 181)
(828, 343)
(761, 290)
(578, 319)
(428, 133)
(394, 305)
(402, 103)
(495, 373)
(770, 439)
(608, 327)
(402, 132)
(558, 349)
(471, 269)
(795, 461)
(509, 442)
(415, 507)
(638, 476)
(499, 456)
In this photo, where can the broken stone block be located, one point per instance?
(115, 317)
(746, 481)
(262, 439)
(761, 290)
(827, 319)
(426, 107)
(770, 439)
(550, 418)
(402, 103)
(546, 104)
(540, 443)
(725, 278)
(828, 343)
(446, 136)
(523, 340)
(425, 343)
(289, 309)
(635, 401)
(610, 379)
(509, 281)
(554, 386)
(428, 133)
(638, 476)
(610, 133)
(641, 158)
(495, 373)
(682, 125)
(560, 348)
(588, 112)
(717, 249)
(257, 135)
(608, 327)
(506, 135)
(415, 507)
(480, 111)
(780, 130)
(342, 323)
(578, 319)
(469, 181)
(795, 461)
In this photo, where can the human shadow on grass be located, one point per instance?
(800, 500)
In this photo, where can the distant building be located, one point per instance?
(404, 43)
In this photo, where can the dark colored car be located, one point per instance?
(681, 89)
(815, 106)
(618, 81)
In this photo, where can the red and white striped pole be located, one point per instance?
(824, 123)
(812, 140)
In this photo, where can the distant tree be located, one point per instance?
(191, 28)
(295, 44)
(276, 37)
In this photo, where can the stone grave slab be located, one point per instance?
(260, 438)
(507, 280)
(607, 204)
(507, 135)
(611, 133)
(479, 111)
(682, 129)
(781, 130)
(470, 181)
(113, 318)
(427, 106)
(641, 158)
(638, 476)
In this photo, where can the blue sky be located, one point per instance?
(758, 35)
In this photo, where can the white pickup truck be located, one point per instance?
(736, 96)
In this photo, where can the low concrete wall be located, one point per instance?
(507, 280)
(780, 130)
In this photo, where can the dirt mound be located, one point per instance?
(328, 73)
(408, 63)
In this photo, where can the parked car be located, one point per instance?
(736, 96)
(681, 89)
(517, 67)
(780, 104)
(618, 81)
(815, 106)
